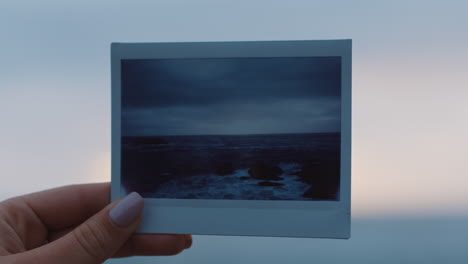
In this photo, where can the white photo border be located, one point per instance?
(322, 219)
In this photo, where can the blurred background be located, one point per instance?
(410, 111)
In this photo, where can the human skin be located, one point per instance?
(78, 224)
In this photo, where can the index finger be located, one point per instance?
(69, 205)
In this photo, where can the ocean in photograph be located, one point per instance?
(302, 166)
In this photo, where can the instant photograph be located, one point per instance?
(232, 128)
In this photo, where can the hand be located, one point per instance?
(76, 224)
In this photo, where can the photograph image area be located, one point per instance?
(232, 128)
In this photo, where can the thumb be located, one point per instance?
(97, 239)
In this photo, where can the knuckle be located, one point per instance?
(91, 237)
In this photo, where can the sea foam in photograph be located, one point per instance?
(232, 128)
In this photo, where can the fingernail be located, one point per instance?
(127, 210)
(188, 241)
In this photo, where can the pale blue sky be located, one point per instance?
(410, 65)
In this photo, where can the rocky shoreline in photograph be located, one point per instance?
(164, 168)
(323, 177)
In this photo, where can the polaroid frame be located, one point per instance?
(320, 219)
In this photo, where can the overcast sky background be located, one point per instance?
(231, 96)
(410, 125)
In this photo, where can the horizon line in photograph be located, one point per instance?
(239, 134)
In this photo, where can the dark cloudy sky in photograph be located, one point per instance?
(230, 96)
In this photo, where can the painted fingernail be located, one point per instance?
(188, 241)
(127, 210)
